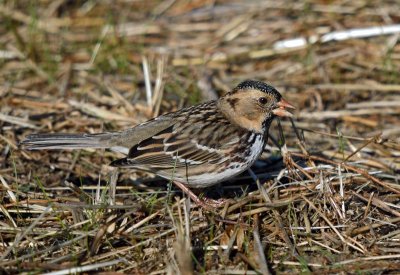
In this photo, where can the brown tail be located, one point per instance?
(68, 141)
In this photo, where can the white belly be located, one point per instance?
(234, 168)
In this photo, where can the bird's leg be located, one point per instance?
(215, 203)
(206, 203)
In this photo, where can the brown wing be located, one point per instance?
(198, 137)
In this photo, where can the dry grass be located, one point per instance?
(328, 202)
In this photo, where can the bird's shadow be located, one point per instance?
(239, 186)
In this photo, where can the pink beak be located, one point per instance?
(281, 111)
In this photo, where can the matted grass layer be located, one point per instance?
(323, 198)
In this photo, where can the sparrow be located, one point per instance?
(195, 147)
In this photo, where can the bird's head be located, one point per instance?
(253, 105)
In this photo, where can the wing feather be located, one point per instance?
(185, 146)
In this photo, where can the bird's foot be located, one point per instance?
(206, 203)
(215, 203)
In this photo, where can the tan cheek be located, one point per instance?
(252, 115)
(252, 111)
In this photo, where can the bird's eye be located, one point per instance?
(262, 100)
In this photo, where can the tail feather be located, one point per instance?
(68, 141)
(120, 162)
